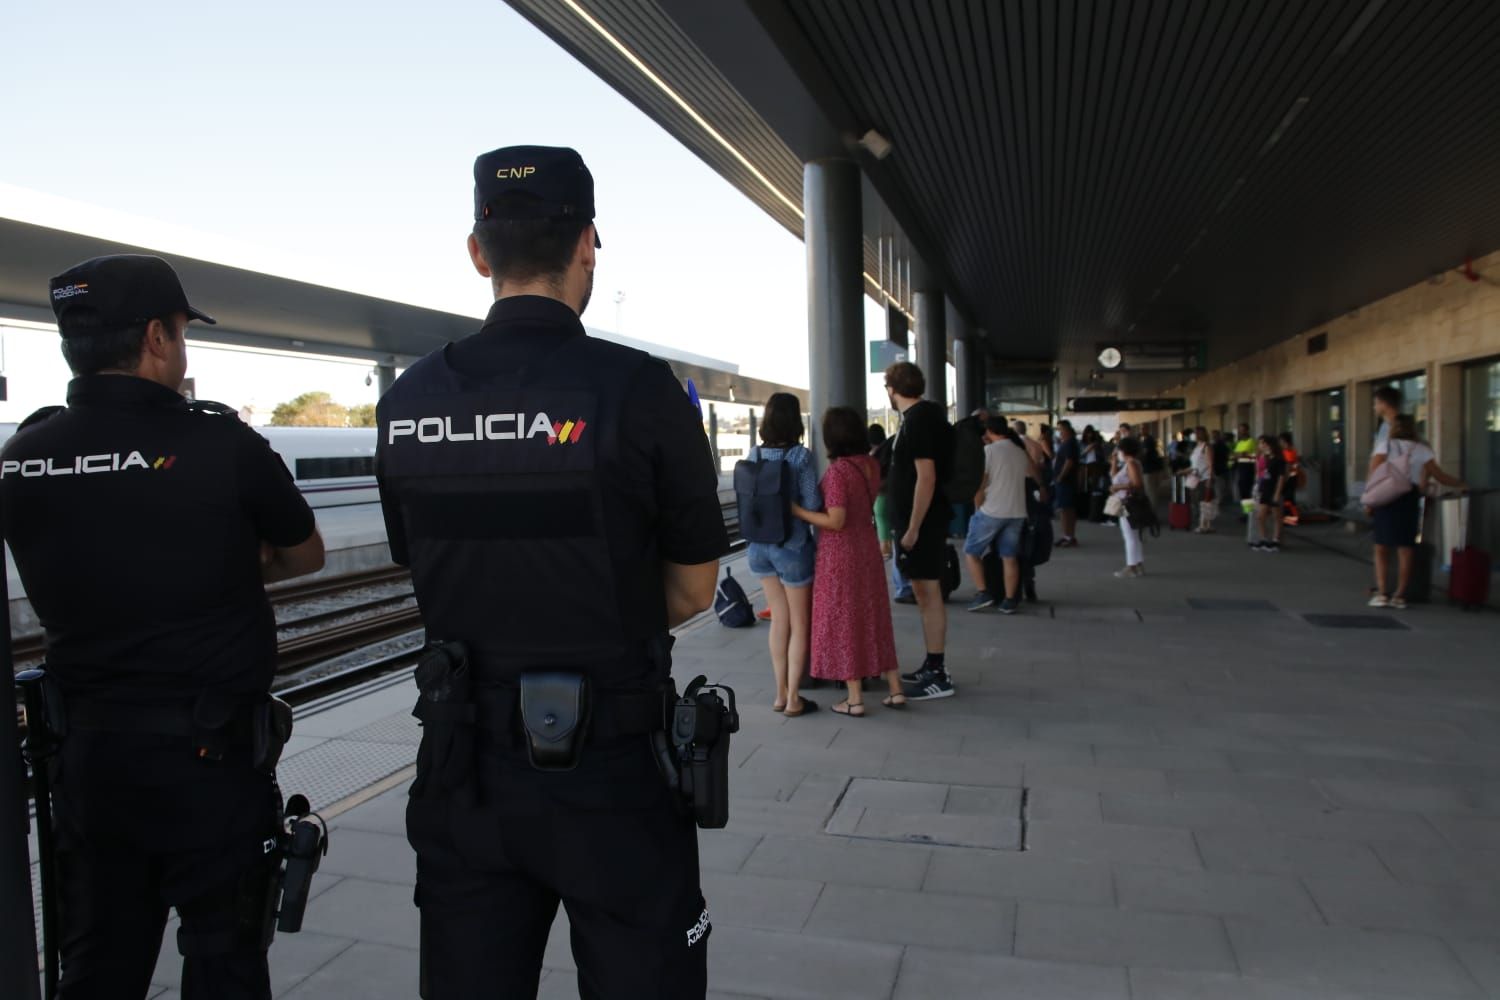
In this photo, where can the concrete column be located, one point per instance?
(833, 232)
(385, 377)
(963, 360)
(932, 343)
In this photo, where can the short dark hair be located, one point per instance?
(90, 348)
(1389, 395)
(1404, 427)
(997, 425)
(528, 249)
(906, 379)
(1286, 439)
(781, 424)
(1129, 446)
(844, 432)
(876, 435)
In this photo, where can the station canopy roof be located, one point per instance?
(271, 312)
(1075, 173)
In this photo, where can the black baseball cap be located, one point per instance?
(123, 289)
(533, 182)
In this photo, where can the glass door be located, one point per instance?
(1328, 447)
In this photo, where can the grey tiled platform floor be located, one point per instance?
(1221, 805)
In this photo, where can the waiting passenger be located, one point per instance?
(1289, 511)
(1065, 478)
(1397, 524)
(1270, 487)
(852, 636)
(1000, 516)
(1129, 481)
(786, 570)
(1201, 465)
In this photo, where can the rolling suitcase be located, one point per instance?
(1179, 514)
(1469, 572)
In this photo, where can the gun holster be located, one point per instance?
(445, 759)
(555, 715)
(270, 728)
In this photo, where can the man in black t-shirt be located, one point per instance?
(144, 528)
(921, 462)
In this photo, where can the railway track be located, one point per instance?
(298, 658)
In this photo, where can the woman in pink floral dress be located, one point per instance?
(851, 617)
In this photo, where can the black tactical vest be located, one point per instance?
(501, 485)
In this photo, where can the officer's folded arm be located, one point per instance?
(277, 563)
(690, 589)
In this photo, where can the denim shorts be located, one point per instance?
(1004, 532)
(793, 567)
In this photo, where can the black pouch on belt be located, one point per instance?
(218, 724)
(445, 760)
(555, 714)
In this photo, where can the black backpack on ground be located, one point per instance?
(763, 491)
(731, 604)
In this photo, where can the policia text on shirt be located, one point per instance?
(555, 499)
(144, 546)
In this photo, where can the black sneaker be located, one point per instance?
(921, 675)
(1009, 606)
(935, 685)
(1030, 590)
(981, 600)
(905, 598)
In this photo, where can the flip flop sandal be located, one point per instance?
(848, 709)
(808, 708)
(889, 701)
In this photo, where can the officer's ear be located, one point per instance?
(583, 253)
(159, 339)
(476, 254)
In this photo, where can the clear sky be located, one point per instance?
(333, 142)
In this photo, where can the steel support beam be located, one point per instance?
(932, 343)
(833, 232)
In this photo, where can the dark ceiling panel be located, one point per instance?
(1076, 171)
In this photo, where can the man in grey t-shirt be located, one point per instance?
(1000, 515)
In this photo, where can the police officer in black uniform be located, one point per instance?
(144, 527)
(556, 500)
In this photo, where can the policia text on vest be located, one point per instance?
(144, 529)
(555, 499)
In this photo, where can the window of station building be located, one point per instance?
(1481, 437)
(1413, 389)
(338, 467)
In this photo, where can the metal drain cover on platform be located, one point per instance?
(917, 812)
(1357, 621)
(1229, 604)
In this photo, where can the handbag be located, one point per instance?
(1193, 481)
(1390, 481)
(1115, 505)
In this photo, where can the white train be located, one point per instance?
(333, 466)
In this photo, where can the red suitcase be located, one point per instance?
(1179, 512)
(1469, 577)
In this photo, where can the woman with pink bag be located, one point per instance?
(1403, 467)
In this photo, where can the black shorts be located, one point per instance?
(925, 560)
(1397, 522)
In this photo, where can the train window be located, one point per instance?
(340, 467)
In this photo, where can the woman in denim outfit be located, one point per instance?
(786, 570)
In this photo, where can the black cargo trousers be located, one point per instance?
(143, 827)
(495, 857)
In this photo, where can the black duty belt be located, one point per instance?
(123, 717)
(613, 714)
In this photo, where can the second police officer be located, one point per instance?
(144, 528)
(555, 498)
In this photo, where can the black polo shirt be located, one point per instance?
(519, 591)
(136, 522)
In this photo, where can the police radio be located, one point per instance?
(700, 728)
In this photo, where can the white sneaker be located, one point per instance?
(1380, 601)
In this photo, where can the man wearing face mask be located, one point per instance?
(555, 498)
(144, 528)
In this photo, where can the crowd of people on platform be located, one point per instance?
(900, 499)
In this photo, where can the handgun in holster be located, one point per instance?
(301, 844)
(693, 754)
